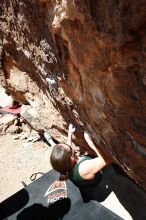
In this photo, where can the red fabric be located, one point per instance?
(10, 110)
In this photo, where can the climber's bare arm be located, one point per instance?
(89, 168)
(71, 130)
(89, 141)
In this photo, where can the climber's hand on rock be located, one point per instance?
(71, 128)
(87, 136)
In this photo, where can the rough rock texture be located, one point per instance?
(88, 58)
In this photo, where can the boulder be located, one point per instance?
(86, 59)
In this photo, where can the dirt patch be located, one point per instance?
(23, 150)
(19, 159)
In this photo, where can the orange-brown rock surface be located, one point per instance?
(88, 57)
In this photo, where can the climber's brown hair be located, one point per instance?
(61, 160)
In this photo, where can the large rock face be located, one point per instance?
(88, 57)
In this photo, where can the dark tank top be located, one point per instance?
(78, 180)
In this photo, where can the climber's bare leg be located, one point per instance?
(49, 139)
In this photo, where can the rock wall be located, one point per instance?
(88, 58)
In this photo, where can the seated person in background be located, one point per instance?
(83, 170)
(10, 106)
(11, 103)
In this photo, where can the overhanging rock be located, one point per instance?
(89, 58)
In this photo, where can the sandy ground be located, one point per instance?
(18, 161)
